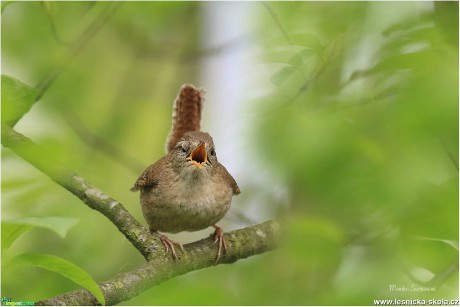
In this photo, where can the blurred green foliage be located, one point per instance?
(359, 120)
(362, 124)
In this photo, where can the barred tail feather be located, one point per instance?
(186, 113)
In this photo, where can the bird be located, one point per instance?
(187, 189)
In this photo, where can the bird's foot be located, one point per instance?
(219, 238)
(169, 244)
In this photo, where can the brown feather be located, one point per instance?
(186, 113)
(150, 177)
(229, 178)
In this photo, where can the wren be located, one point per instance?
(187, 189)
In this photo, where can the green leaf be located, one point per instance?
(433, 255)
(407, 25)
(408, 61)
(429, 228)
(296, 62)
(435, 214)
(307, 40)
(62, 267)
(282, 75)
(300, 58)
(11, 230)
(17, 99)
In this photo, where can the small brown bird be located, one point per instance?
(188, 189)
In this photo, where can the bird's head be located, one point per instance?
(194, 152)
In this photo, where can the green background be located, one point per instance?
(350, 114)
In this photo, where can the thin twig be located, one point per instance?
(76, 47)
(54, 30)
(277, 21)
(92, 140)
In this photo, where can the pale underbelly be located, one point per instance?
(175, 218)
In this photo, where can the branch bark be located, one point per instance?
(242, 243)
(77, 185)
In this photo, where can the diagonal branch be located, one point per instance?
(77, 185)
(93, 140)
(242, 243)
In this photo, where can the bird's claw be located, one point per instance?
(220, 239)
(169, 245)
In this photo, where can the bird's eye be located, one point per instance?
(213, 152)
(183, 149)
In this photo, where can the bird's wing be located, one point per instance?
(150, 177)
(229, 178)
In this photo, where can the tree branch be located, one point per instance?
(77, 185)
(242, 243)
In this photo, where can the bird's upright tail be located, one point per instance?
(186, 113)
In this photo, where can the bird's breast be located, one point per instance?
(187, 203)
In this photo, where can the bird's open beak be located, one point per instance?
(198, 155)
